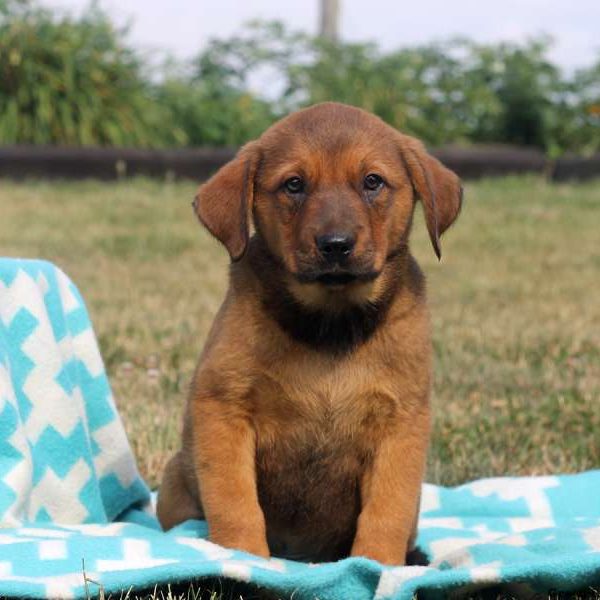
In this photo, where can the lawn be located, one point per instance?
(515, 304)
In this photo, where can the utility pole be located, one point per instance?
(329, 22)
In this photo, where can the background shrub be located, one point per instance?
(74, 81)
(455, 91)
(66, 80)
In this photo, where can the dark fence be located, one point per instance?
(491, 161)
(576, 167)
(53, 162)
(56, 162)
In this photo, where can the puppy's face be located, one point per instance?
(331, 200)
(331, 190)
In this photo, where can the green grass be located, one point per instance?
(515, 304)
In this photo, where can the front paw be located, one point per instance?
(248, 541)
(381, 551)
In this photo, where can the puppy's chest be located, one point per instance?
(316, 432)
(324, 406)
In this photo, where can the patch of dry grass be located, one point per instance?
(515, 305)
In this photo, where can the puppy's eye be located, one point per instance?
(373, 182)
(294, 185)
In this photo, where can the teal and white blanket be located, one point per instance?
(70, 491)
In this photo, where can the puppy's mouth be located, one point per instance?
(336, 277)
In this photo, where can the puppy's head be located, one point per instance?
(331, 190)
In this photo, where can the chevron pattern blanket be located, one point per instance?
(70, 493)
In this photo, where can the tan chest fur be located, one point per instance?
(345, 395)
(332, 397)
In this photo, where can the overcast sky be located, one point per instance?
(183, 26)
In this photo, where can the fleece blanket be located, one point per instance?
(71, 497)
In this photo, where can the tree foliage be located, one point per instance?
(73, 81)
(76, 81)
(455, 91)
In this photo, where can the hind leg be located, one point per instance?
(176, 501)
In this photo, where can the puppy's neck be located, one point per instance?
(330, 321)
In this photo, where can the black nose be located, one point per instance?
(335, 247)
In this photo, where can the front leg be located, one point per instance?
(390, 492)
(224, 453)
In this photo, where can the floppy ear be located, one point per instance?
(224, 202)
(438, 188)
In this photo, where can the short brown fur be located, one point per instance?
(307, 423)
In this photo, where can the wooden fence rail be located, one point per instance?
(54, 162)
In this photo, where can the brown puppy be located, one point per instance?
(308, 418)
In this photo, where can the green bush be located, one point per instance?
(74, 81)
(211, 109)
(455, 91)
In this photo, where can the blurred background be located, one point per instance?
(111, 113)
(187, 73)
